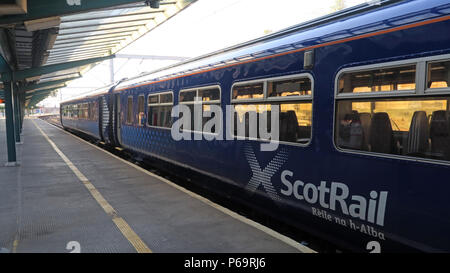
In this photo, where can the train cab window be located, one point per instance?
(130, 110)
(293, 96)
(438, 75)
(379, 80)
(415, 124)
(160, 109)
(141, 110)
(205, 96)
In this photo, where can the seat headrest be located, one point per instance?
(439, 125)
(381, 118)
(292, 117)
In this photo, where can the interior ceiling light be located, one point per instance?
(43, 23)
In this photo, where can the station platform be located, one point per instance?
(69, 195)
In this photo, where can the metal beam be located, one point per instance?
(43, 88)
(73, 58)
(9, 112)
(111, 16)
(151, 57)
(81, 52)
(37, 71)
(135, 27)
(107, 23)
(82, 43)
(57, 76)
(38, 9)
(17, 126)
(125, 6)
(64, 48)
(96, 39)
(47, 84)
(62, 53)
(45, 91)
(84, 35)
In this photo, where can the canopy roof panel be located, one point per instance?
(52, 33)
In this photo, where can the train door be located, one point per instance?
(118, 121)
(100, 118)
(104, 110)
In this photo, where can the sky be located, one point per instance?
(203, 27)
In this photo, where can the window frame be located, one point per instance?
(140, 96)
(420, 91)
(196, 89)
(279, 100)
(441, 90)
(159, 104)
(132, 112)
(395, 93)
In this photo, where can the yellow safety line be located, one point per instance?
(15, 244)
(121, 224)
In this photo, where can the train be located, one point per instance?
(361, 102)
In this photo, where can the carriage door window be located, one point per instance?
(130, 110)
(395, 115)
(141, 110)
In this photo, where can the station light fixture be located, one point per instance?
(154, 4)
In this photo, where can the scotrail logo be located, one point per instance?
(264, 175)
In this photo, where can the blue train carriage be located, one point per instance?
(364, 124)
(84, 114)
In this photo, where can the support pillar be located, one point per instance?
(16, 113)
(9, 122)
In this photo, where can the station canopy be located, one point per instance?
(50, 43)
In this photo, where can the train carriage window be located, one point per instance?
(160, 109)
(293, 96)
(248, 91)
(379, 80)
(294, 87)
(84, 111)
(438, 75)
(90, 115)
(130, 110)
(141, 110)
(212, 94)
(188, 96)
(153, 99)
(414, 125)
(166, 98)
(206, 96)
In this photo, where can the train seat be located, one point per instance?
(418, 135)
(288, 126)
(440, 134)
(381, 137)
